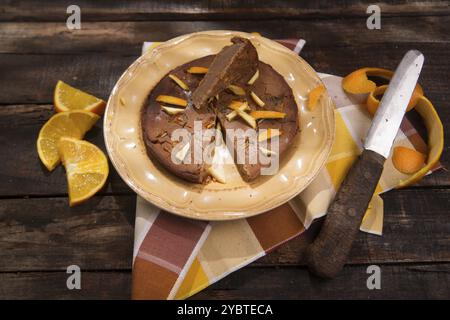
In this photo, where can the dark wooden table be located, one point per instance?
(40, 235)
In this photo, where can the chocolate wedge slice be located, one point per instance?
(235, 63)
(158, 126)
(278, 96)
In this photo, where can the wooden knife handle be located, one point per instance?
(328, 253)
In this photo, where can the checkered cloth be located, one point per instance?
(176, 257)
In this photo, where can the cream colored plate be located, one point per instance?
(215, 201)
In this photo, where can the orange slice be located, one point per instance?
(69, 123)
(86, 168)
(67, 98)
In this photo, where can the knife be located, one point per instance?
(328, 253)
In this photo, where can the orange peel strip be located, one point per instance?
(179, 82)
(243, 107)
(372, 102)
(435, 139)
(259, 114)
(408, 161)
(197, 70)
(171, 100)
(235, 104)
(358, 82)
(314, 96)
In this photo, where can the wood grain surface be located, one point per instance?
(40, 235)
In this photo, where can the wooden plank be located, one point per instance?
(45, 234)
(38, 74)
(22, 173)
(397, 282)
(416, 225)
(98, 73)
(126, 37)
(30, 178)
(406, 281)
(52, 285)
(109, 10)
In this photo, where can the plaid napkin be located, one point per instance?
(175, 257)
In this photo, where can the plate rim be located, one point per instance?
(187, 212)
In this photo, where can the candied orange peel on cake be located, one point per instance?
(314, 96)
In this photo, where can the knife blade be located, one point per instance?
(328, 253)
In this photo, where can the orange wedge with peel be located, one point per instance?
(66, 98)
(86, 168)
(73, 123)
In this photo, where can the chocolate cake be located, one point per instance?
(233, 89)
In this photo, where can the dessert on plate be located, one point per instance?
(228, 92)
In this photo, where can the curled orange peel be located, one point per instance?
(435, 140)
(407, 160)
(372, 100)
(358, 82)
